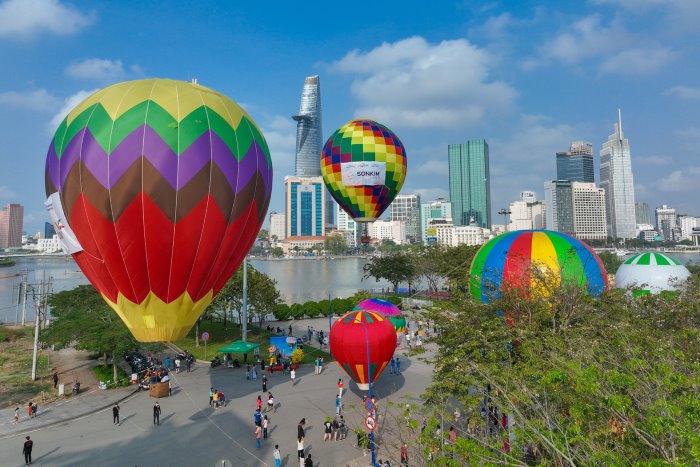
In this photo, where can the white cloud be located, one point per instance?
(280, 134)
(684, 92)
(27, 18)
(430, 194)
(433, 167)
(654, 160)
(678, 13)
(414, 84)
(39, 99)
(6, 194)
(639, 60)
(680, 181)
(96, 68)
(68, 104)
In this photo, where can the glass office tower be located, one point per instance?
(576, 164)
(470, 183)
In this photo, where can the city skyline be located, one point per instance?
(406, 74)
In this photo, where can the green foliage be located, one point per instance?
(335, 244)
(297, 355)
(608, 381)
(396, 268)
(311, 309)
(281, 311)
(276, 252)
(610, 261)
(105, 374)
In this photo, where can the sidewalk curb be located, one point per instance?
(67, 419)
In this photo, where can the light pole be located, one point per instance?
(369, 386)
(244, 324)
(505, 212)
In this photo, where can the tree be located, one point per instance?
(276, 252)
(335, 244)
(606, 381)
(429, 264)
(395, 268)
(81, 318)
(610, 261)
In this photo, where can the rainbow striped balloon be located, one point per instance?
(363, 144)
(165, 185)
(507, 261)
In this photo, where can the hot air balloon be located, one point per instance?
(651, 273)
(356, 334)
(158, 189)
(508, 261)
(386, 309)
(363, 165)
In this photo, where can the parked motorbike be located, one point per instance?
(76, 388)
(215, 362)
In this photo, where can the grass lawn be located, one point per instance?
(16, 366)
(220, 336)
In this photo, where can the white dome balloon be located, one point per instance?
(651, 273)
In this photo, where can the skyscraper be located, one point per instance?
(310, 137)
(304, 200)
(11, 220)
(470, 183)
(666, 222)
(590, 222)
(617, 181)
(559, 206)
(407, 208)
(642, 213)
(576, 164)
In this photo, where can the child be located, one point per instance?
(265, 423)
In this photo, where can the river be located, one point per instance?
(298, 280)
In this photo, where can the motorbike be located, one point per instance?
(76, 388)
(144, 385)
(215, 362)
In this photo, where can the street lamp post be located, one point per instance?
(369, 385)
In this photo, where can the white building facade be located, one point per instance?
(590, 221)
(406, 208)
(388, 230)
(450, 235)
(438, 209)
(277, 226)
(346, 225)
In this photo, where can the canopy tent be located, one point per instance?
(238, 347)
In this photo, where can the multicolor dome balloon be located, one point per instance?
(364, 166)
(651, 273)
(386, 309)
(507, 261)
(158, 188)
(354, 335)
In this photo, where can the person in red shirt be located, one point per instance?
(340, 387)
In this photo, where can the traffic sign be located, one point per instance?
(370, 423)
(205, 336)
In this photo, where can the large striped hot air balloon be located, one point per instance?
(509, 260)
(158, 189)
(363, 165)
(356, 334)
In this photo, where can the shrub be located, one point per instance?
(105, 373)
(297, 356)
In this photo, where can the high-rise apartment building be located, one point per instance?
(11, 222)
(666, 222)
(278, 225)
(470, 183)
(559, 206)
(686, 224)
(347, 225)
(576, 164)
(438, 209)
(406, 208)
(527, 213)
(309, 142)
(642, 213)
(617, 181)
(388, 230)
(590, 221)
(304, 200)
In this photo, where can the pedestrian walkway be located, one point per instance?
(68, 408)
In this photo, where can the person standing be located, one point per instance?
(258, 434)
(29, 409)
(270, 403)
(16, 416)
(392, 366)
(115, 413)
(293, 375)
(308, 462)
(404, 454)
(254, 373)
(300, 450)
(327, 430)
(340, 387)
(277, 456)
(398, 366)
(258, 404)
(320, 365)
(338, 404)
(316, 365)
(156, 413)
(211, 396)
(27, 450)
(54, 377)
(177, 365)
(300, 428)
(290, 329)
(264, 383)
(264, 426)
(257, 418)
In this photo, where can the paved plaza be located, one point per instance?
(80, 431)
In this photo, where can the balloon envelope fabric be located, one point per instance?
(165, 185)
(356, 333)
(368, 148)
(508, 261)
(383, 307)
(651, 273)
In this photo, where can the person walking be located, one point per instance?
(300, 428)
(300, 450)
(320, 365)
(404, 454)
(264, 383)
(29, 410)
(258, 435)
(16, 416)
(293, 375)
(392, 366)
(270, 403)
(257, 418)
(54, 377)
(177, 365)
(316, 365)
(398, 366)
(258, 403)
(264, 426)
(277, 456)
(338, 405)
(27, 450)
(340, 387)
(308, 462)
(156, 413)
(254, 373)
(115, 413)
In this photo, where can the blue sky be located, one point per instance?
(528, 76)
